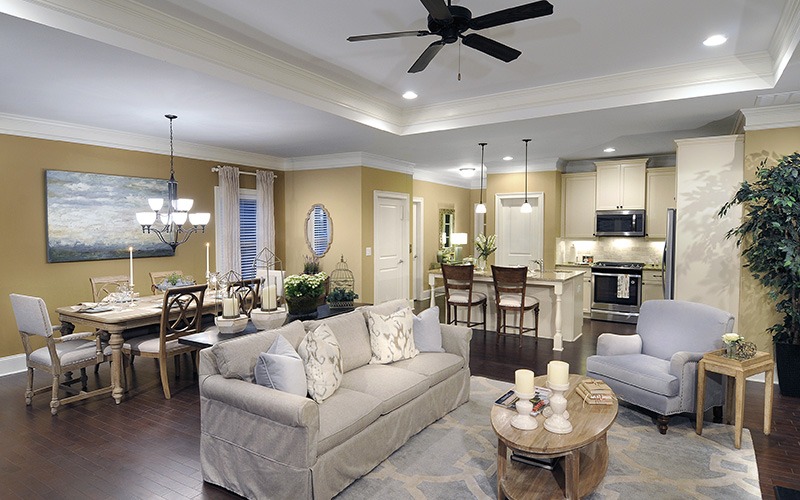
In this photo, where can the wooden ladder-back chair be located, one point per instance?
(510, 285)
(458, 293)
(181, 314)
(60, 354)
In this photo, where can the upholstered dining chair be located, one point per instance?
(158, 277)
(60, 355)
(458, 292)
(248, 291)
(656, 368)
(104, 285)
(510, 284)
(181, 314)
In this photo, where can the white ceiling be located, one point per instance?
(277, 82)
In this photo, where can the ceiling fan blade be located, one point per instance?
(379, 36)
(512, 15)
(426, 57)
(437, 9)
(491, 47)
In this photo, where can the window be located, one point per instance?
(247, 231)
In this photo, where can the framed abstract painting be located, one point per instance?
(93, 216)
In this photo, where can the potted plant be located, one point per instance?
(770, 236)
(302, 293)
(341, 297)
(486, 246)
(311, 264)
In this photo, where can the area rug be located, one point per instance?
(455, 457)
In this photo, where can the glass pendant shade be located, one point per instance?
(480, 208)
(146, 218)
(179, 217)
(184, 204)
(155, 203)
(199, 219)
(526, 208)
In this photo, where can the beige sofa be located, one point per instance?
(263, 443)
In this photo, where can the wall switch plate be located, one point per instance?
(369, 251)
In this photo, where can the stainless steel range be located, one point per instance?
(617, 288)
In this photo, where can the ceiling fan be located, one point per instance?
(451, 21)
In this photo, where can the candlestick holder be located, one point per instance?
(524, 420)
(558, 422)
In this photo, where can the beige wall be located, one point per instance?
(24, 267)
(756, 310)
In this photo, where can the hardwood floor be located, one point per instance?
(148, 447)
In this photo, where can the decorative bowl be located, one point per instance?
(268, 320)
(231, 325)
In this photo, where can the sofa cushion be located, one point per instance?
(343, 415)
(351, 332)
(281, 368)
(639, 370)
(384, 308)
(323, 362)
(236, 358)
(428, 331)
(435, 366)
(393, 386)
(391, 337)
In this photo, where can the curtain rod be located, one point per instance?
(216, 169)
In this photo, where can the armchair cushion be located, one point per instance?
(69, 353)
(639, 370)
(612, 344)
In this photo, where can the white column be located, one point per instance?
(432, 284)
(558, 342)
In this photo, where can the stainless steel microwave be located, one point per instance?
(619, 223)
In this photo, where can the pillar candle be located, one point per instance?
(207, 268)
(230, 309)
(558, 372)
(523, 380)
(130, 252)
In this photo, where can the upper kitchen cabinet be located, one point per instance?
(621, 184)
(660, 197)
(578, 192)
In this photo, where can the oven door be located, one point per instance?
(609, 292)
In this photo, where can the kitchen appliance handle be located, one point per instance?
(616, 274)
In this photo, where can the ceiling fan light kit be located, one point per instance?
(449, 22)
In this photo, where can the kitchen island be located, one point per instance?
(560, 297)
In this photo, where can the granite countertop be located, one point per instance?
(647, 267)
(533, 277)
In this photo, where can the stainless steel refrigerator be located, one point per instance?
(668, 259)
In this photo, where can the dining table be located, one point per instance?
(141, 316)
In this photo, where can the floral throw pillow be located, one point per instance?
(391, 336)
(322, 359)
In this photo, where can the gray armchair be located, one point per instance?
(656, 369)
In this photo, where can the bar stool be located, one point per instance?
(509, 292)
(458, 293)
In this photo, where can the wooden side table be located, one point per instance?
(737, 371)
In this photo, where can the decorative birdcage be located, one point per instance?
(342, 292)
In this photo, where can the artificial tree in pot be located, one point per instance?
(770, 237)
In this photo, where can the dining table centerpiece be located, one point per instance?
(486, 246)
(302, 293)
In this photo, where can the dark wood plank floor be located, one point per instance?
(148, 447)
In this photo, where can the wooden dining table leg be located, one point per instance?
(116, 341)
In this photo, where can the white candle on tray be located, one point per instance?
(230, 308)
(558, 372)
(523, 380)
(130, 252)
(208, 245)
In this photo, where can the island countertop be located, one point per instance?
(534, 277)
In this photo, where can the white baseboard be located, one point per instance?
(12, 364)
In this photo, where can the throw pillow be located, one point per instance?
(322, 359)
(391, 337)
(281, 368)
(427, 331)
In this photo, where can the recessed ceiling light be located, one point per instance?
(609, 150)
(715, 40)
(409, 94)
(508, 158)
(466, 171)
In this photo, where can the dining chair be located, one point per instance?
(248, 291)
(102, 286)
(181, 314)
(60, 355)
(458, 292)
(158, 277)
(510, 285)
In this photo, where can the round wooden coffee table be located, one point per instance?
(585, 451)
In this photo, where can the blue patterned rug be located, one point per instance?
(455, 457)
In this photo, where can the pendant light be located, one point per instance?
(480, 208)
(526, 207)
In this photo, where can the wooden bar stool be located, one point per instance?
(458, 293)
(509, 292)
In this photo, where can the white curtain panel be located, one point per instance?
(230, 251)
(265, 211)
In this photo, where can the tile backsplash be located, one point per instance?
(613, 249)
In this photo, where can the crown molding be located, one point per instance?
(786, 37)
(445, 180)
(94, 136)
(718, 139)
(771, 117)
(345, 160)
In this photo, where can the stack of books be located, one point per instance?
(595, 392)
(540, 400)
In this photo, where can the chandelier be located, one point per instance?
(174, 216)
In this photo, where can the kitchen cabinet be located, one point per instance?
(621, 184)
(652, 285)
(660, 197)
(578, 192)
(587, 284)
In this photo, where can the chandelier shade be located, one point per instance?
(174, 214)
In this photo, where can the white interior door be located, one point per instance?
(391, 223)
(417, 247)
(519, 236)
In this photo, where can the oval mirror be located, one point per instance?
(319, 230)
